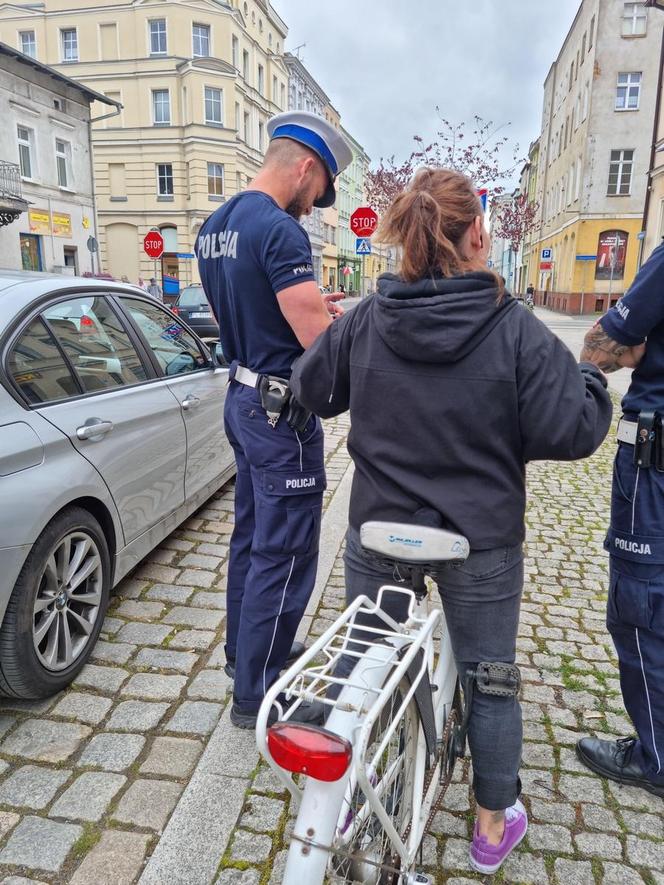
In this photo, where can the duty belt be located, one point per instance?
(275, 397)
(646, 437)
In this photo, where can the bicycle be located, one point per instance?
(376, 773)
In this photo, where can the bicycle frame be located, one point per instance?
(382, 667)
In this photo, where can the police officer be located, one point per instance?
(256, 268)
(635, 541)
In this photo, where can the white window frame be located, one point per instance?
(166, 176)
(29, 144)
(212, 174)
(63, 45)
(33, 53)
(245, 65)
(591, 33)
(157, 21)
(577, 187)
(585, 101)
(194, 37)
(213, 99)
(261, 79)
(154, 93)
(632, 83)
(261, 136)
(63, 163)
(621, 162)
(633, 14)
(235, 52)
(238, 118)
(246, 122)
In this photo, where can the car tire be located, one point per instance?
(57, 607)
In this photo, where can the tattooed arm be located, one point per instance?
(607, 354)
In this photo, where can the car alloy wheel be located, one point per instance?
(68, 601)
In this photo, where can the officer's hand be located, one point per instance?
(329, 299)
(632, 356)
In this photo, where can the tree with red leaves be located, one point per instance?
(515, 220)
(478, 155)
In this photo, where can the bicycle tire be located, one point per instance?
(364, 849)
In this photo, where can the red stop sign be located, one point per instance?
(153, 244)
(363, 221)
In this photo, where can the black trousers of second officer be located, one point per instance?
(635, 613)
(274, 546)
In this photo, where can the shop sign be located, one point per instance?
(39, 221)
(61, 224)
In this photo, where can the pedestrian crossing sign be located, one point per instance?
(363, 246)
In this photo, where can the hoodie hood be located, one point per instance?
(438, 320)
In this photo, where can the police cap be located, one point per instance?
(319, 136)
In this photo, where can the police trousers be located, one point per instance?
(635, 610)
(274, 546)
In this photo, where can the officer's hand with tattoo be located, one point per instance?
(607, 354)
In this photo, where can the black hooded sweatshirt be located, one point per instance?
(451, 392)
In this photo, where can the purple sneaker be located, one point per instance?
(486, 858)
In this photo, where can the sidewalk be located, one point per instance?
(135, 774)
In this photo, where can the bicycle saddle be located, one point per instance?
(413, 544)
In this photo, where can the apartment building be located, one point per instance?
(594, 154)
(197, 81)
(47, 219)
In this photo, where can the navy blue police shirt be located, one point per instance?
(639, 315)
(248, 251)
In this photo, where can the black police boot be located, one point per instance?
(613, 759)
(297, 649)
(311, 713)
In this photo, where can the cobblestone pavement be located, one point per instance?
(141, 745)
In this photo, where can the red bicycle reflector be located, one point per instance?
(306, 749)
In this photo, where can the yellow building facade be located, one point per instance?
(197, 80)
(600, 101)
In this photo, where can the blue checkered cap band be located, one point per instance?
(312, 140)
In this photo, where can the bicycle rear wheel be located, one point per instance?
(363, 850)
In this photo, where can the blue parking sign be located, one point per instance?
(547, 254)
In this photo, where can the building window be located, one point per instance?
(628, 93)
(236, 52)
(215, 176)
(161, 107)
(63, 162)
(201, 39)
(213, 106)
(237, 117)
(635, 17)
(245, 64)
(620, 173)
(28, 43)
(165, 179)
(591, 33)
(158, 36)
(577, 186)
(26, 143)
(283, 97)
(247, 128)
(275, 89)
(261, 137)
(69, 44)
(583, 47)
(261, 79)
(584, 106)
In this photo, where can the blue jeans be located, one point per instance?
(481, 598)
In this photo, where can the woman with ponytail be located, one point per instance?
(452, 389)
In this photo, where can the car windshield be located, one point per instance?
(192, 296)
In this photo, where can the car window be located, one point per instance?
(175, 349)
(95, 342)
(192, 296)
(38, 367)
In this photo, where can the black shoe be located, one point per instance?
(297, 649)
(613, 759)
(312, 714)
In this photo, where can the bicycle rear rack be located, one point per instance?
(390, 652)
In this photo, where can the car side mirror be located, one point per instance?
(219, 361)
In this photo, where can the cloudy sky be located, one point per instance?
(386, 64)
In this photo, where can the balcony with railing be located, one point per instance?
(11, 198)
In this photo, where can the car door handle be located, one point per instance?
(190, 402)
(94, 427)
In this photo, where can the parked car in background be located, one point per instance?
(194, 309)
(111, 434)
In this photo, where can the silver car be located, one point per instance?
(111, 434)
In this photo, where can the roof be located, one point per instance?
(48, 71)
